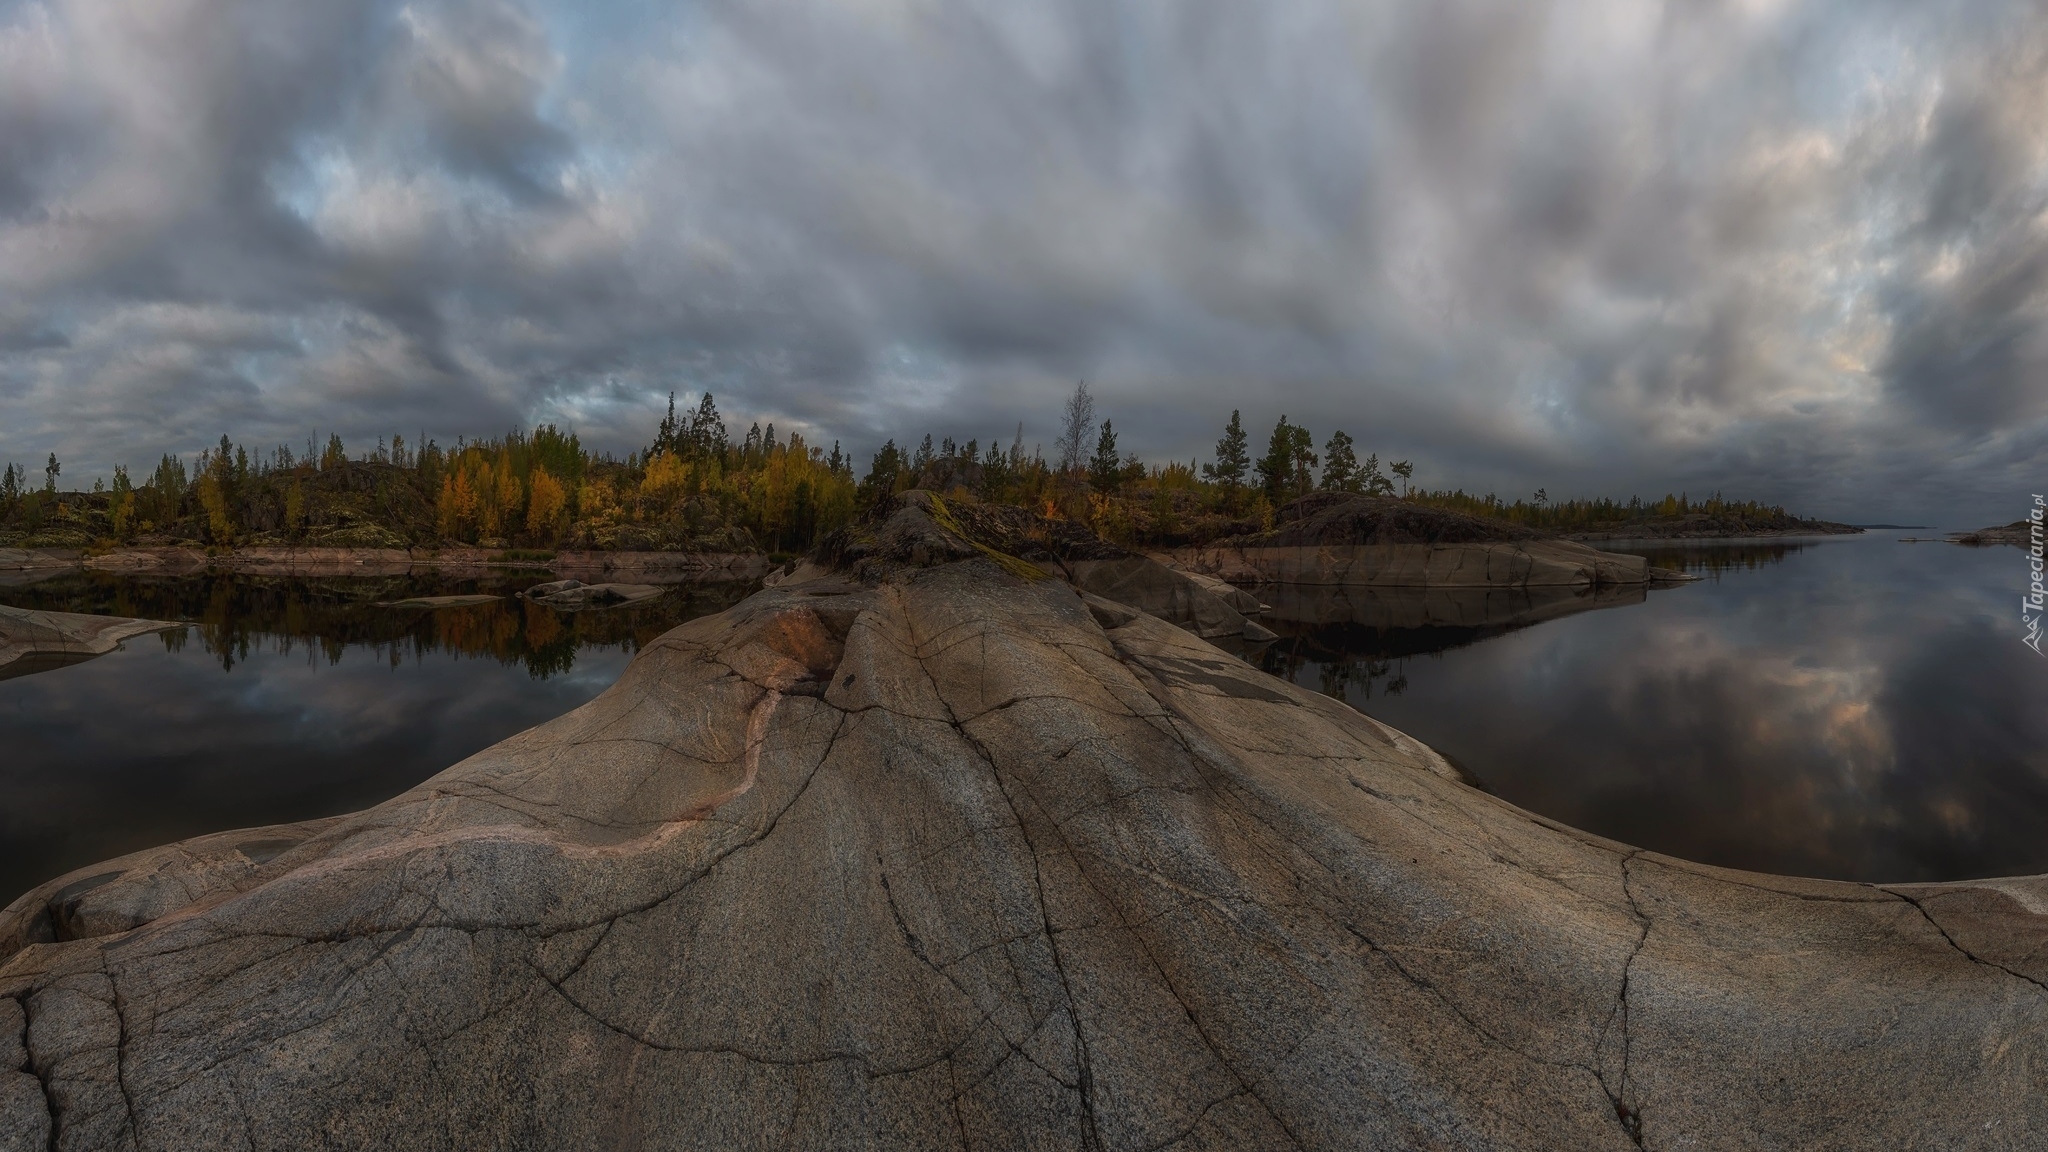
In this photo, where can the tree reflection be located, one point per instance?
(233, 614)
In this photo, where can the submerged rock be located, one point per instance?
(575, 594)
(33, 641)
(926, 849)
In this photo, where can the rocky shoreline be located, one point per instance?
(33, 641)
(924, 847)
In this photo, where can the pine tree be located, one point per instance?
(1405, 471)
(1232, 459)
(923, 459)
(1370, 479)
(882, 474)
(1340, 465)
(50, 471)
(1105, 469)
(1287, 468)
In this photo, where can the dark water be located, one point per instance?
(1847, 707)
(286, 699)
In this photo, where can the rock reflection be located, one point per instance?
(1711, 559)
(1852, 709)
(1356, 638)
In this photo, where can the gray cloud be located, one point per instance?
(1794, 250)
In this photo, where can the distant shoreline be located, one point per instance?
(656, 567)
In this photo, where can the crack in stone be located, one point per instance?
(1953, 943)
(1629, 1116)
(121, 1059)
(41, 1072)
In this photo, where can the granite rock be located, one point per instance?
(36, 641)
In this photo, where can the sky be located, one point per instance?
(1792, 251)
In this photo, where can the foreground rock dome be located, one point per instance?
(923, 848)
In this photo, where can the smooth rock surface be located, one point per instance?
(34, 641)
(932, 851)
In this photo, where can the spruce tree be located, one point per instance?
(707, 430)
(1105, 470)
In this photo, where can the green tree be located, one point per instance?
(1288, 467)
(1371, 480)
(50, 471)
(1340, 465)
(1105, 470)
(706, 436)
(1233, 461)
(1405, 471)
(888, 464)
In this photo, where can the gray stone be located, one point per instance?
(27, 1127)
(575, 595)
(13, 1050)
(34, 641)
(932, 851)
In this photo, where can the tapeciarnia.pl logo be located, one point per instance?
(2032, 604)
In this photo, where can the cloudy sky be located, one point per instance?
(1790, 250)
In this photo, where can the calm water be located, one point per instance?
(1848, 707)
(285, 700)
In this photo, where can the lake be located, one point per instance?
(1848, 707)
(286, 699)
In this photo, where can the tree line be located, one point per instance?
(697, 488)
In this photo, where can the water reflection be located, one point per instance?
(1712, 558)
(235, 614)
(287, 699)
(1850, 708)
